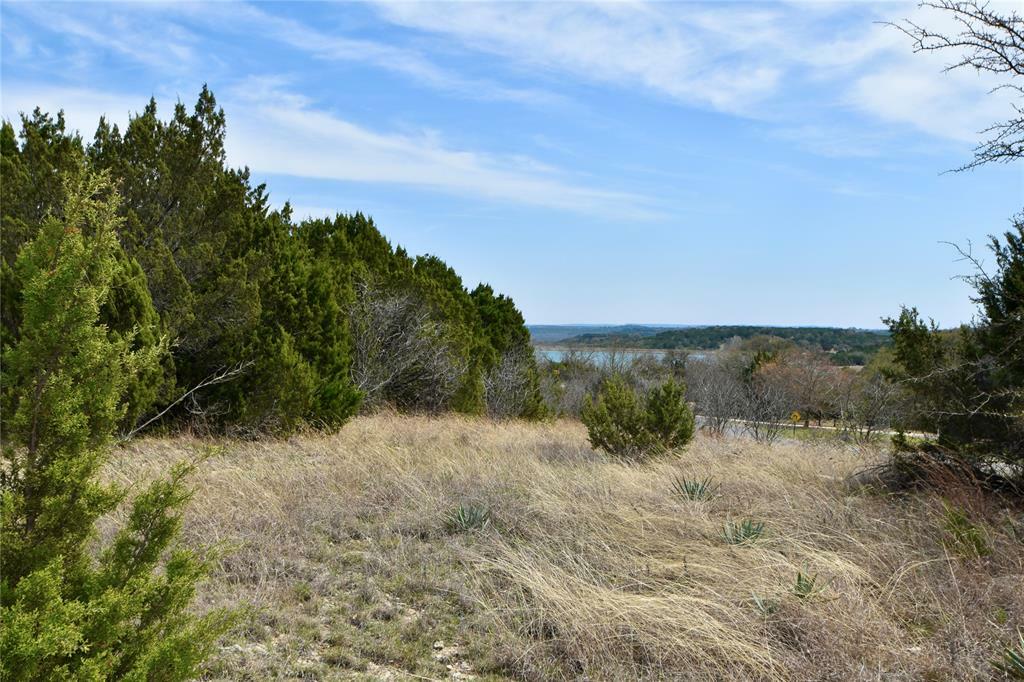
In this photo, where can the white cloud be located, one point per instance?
(82, 107)
(153, 34)
(278, 132)
(792, 65)
(751, 60)
(833, 140)
(954, 106)
(311, 142)
(685, 54)
(158, 45)
(330, 47)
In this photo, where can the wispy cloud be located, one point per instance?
(670, 50)
(790, 65)
(328, 46)
(314, 143)
(761, 61)
(163, 46)
(82, 107)
(154, 35)
(834, 140)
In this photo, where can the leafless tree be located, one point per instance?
(986, 41)
(221, 376)
(399, 352)
(868, 403)
(764, 410)
(507, 385)
(646, 371)
(565, 384)
(807, 380)
(717, 393)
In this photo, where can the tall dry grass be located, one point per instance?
(341, 552)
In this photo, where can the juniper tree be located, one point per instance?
(66, 614)
(242, 291)
(619, 422)
(968, 384)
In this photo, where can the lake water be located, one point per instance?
(602, 356)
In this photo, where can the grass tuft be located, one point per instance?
(806, 585)
(963, 537)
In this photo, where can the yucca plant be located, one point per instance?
(465, 518)
(743, 533)
(806, 585)
(695, 489)
(1012, 662)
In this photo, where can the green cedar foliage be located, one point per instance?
(442, 290)
(622, 424)
(967, 384)
(667, 415)
(66, 615)
(615, 420)
(31, 191)
(233, 284)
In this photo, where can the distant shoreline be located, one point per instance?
(610, 349)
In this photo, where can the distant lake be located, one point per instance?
(601, 356)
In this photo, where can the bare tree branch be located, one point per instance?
(987, 41)
(221, 376)
(399, 352)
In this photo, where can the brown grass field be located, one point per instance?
(342, 558)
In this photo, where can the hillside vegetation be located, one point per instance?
(265, 321)
(443, 547)
(435, 512)
(848, 346)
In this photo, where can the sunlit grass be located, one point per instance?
(405, 545)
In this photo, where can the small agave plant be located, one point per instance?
(465, 518)
(695, 489)
(744, 532)
(806, 585)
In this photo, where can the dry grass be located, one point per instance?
(341, 552)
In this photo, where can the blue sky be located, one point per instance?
(694, 163)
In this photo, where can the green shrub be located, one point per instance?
(667, 416)
(619, 424)
(123, 615)
(251, 291)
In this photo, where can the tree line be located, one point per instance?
(262, 322)
(845, 346)
(144, 281)
(758, 386)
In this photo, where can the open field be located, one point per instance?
(346, 559)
